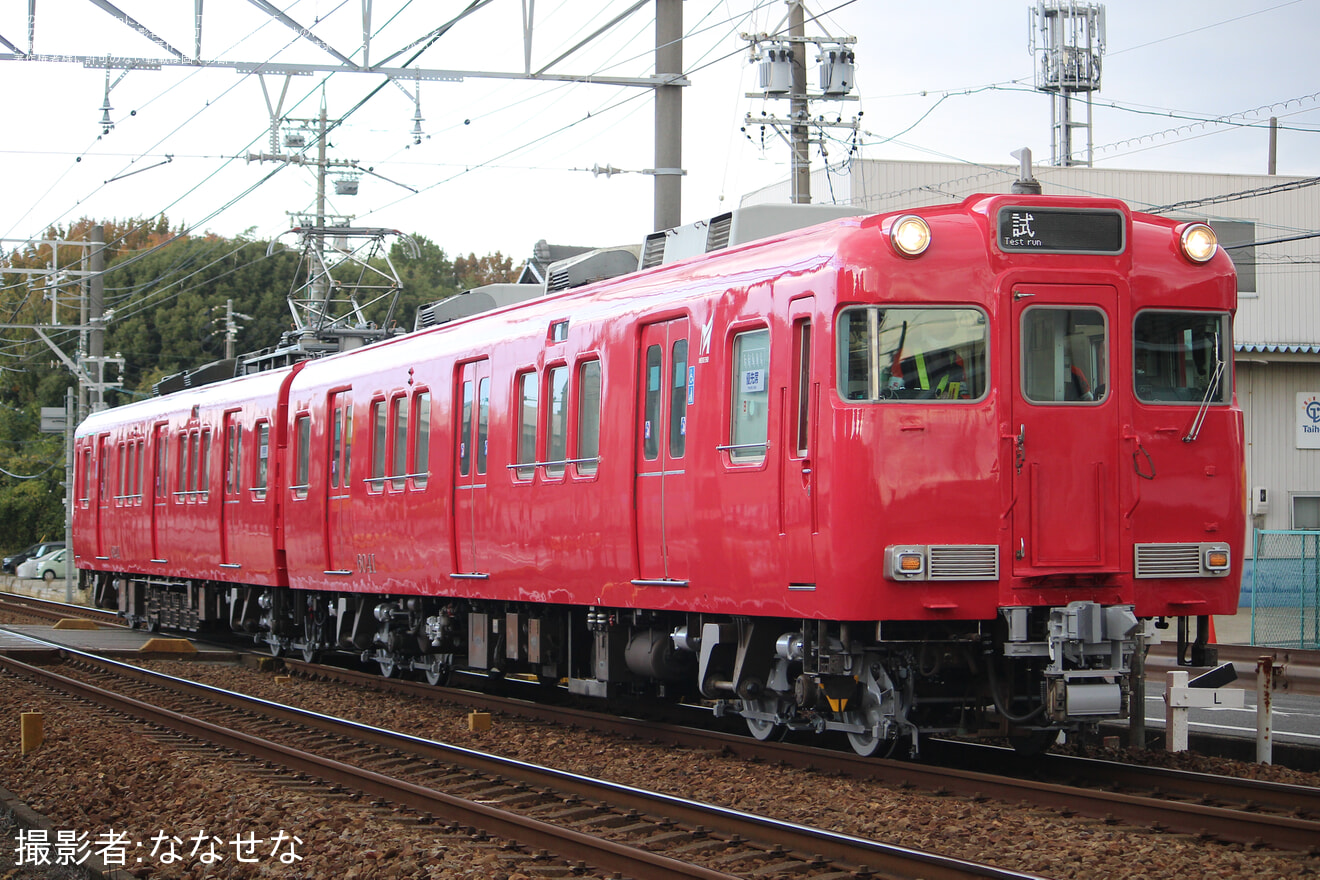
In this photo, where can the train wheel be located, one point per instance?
(761, 728)
(869, 745)
(438, 672)
(389, 664)
(1033, 743)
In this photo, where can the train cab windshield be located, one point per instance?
(916, 354)
(1180, 357)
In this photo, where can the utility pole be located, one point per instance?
(782, 56)
(668, 114)
(96, 313)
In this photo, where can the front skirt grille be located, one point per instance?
(964, 562)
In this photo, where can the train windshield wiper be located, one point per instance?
(1195, 430)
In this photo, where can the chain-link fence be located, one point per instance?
(1285, 589)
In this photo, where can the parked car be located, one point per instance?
(51, 566)
(11, 563)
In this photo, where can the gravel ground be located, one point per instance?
(96, 774)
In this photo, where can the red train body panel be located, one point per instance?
(769, 433)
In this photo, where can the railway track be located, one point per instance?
(43, 610)
(1213, 807)
(609, 826)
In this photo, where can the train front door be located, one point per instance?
(666, 387)
(471, 513)
(1064, 435)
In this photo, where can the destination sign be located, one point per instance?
(1024, 229)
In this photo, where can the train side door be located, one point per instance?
(160, 495)
(666, 386)
(102, 495)
(797, 475)
(471, 512)
(340, 547)
(232, 455)
(1064, 434)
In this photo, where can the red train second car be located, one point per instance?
(888, 475)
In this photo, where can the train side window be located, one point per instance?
(379, 437)
(651, 413)
(181, 483)
(1065, 355)
(86, 482)
(139, 459)
(556, 432)
(203, 467)
(120, 490)
(162, 463)
(421, 439)
(587, 454)
(194, 460)
(1181, 357)
(336, 444)
(303, 455)
(263, 459)
(465, 433)
(483, 423)
(802, 368)
(528, 409)
(399, 436)
(678, 401)
(750, 422)
(912, 354)
(233, 457)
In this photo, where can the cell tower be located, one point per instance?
(1070, 38)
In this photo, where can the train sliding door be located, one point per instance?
(666, 384)
(1065, 430)
(797, 477)
(471, 513)
(340, 547)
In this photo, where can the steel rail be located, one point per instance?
(1193, 818)
(890, 860)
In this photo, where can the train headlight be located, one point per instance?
(909, 235)
(1199, 242)
(905, 563)
(1216, 558)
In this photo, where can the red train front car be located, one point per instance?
(891, 475)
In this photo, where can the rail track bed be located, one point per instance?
(565, 817)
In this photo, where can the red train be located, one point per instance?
(887, 475)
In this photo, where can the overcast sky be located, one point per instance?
(504, 163)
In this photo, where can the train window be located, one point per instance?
(182, 482)
(802, 367)
(263, 458)
(203, 467)
(556, 433)
(678, 401)
(161, 476)
(912, 354)
(588, 413)
(465, 433)
(651, 414)
(1181, 357)
(399, 432)
(137, 471)
(303, 453)
(233, 456)
(421, 439)
(194, 459)
(751, 396)
(120, 491)
(483, 423)
(379, 435)
(86, 482)
(527, 411)
(336, 445)
(1064, 355)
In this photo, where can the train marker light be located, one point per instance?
(909, 235)
(1199, 242)
(905, 563)
(1216, 559)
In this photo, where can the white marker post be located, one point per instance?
(1203, 692)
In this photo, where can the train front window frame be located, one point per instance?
(1174, 360)
(1064, 357)
(913, 354)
